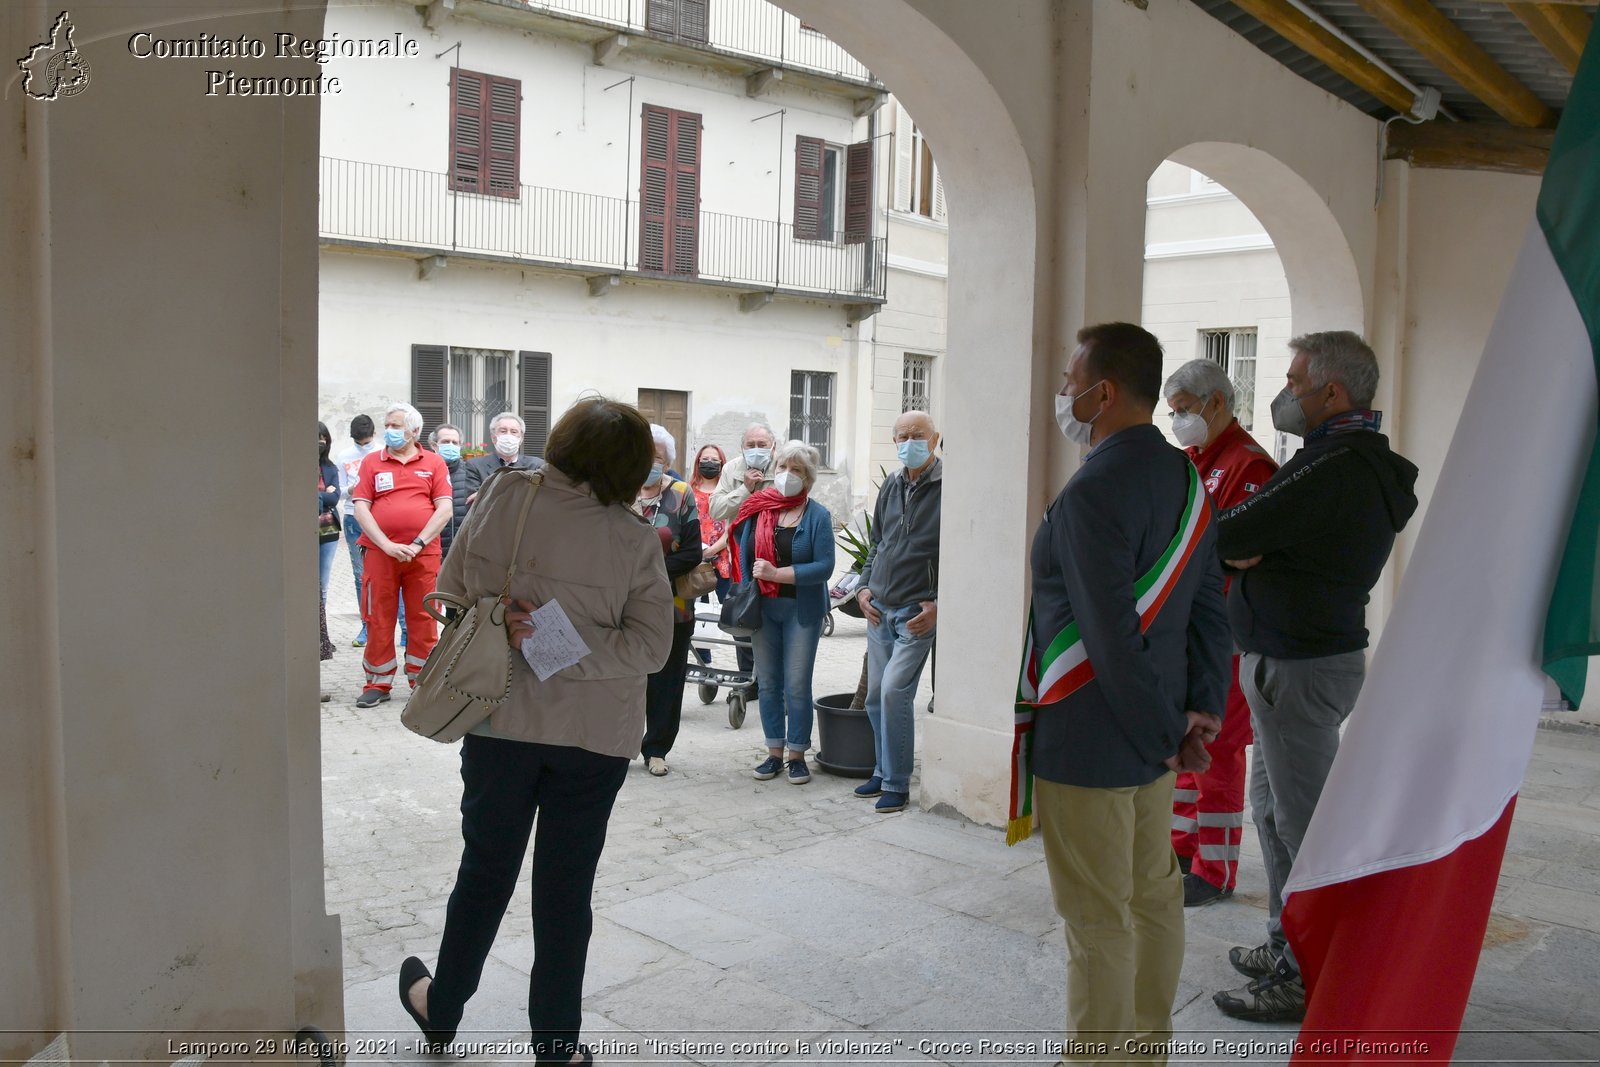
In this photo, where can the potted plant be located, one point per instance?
(846, 745)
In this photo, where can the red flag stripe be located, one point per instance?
(1366, 1002)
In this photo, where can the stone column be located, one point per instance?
(161, 777)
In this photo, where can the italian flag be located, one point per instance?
(1390, 894)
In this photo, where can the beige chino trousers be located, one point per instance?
(1115, 881)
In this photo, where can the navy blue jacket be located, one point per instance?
(813, 559)
(1109, 526)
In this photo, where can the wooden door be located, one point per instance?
(669, 408)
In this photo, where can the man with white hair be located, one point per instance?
(506, 431)
(746, 473)
(1208, 806)
(402, 500)
(1307, 550)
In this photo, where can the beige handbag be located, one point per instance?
(697, 583)
(468, 673)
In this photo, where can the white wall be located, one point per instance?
(735, 365)
(576, 135)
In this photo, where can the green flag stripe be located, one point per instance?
(1569, 215)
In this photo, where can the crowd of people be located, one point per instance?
(1185, 604)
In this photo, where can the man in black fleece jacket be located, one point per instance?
(1308, 549)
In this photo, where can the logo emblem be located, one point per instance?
(55, 69)
(383, 481)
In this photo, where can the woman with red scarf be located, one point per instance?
(784, 541)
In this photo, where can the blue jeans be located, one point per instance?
(894, 667)
(352, 532)
(785, 653)
(325, 553)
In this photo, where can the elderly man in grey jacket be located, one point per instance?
(900, 598)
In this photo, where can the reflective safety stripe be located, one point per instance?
(1185, 796)
(419, 661)
(1183, 825)
(1222, 818)
(1219, 852)
(380, 668)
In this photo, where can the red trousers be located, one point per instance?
(1208, 809)
(383, 579)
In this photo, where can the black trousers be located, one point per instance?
(663, 695)
(504, 784)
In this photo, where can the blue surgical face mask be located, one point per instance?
(394, 438)
(654, 477)
(449, 452)
(758, 458)
(913, 452)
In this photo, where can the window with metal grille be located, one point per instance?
(811, 410)
(1234, 350)
(916, 374)
(470, 386)
(485, 133)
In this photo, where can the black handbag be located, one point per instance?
(741, 612)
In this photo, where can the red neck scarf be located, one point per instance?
(764, 505)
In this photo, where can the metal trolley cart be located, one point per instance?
(709, 677)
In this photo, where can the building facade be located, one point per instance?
(677, 207)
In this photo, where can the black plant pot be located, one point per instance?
(844, 737)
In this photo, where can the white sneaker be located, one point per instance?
(657, 765)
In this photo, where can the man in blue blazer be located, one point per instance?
(1131, 682)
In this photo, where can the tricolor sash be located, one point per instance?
(1064, 668)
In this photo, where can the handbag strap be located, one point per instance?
(536, 479)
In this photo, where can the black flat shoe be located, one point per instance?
(586, 1061)
(413, 971)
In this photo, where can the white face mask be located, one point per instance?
(507, 444)
(1190, 428)
(787, 483)
(1075, 429)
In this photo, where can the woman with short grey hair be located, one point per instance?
(785, 545)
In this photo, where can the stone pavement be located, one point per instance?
(793, 924)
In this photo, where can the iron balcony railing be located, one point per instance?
(385, 205)
(751, 28)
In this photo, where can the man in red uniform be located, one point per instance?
(1208, 808)
(402, 500)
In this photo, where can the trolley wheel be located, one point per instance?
(708, 692)
(827, 625)
(735, 709)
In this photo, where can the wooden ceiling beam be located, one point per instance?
(1562, 29)
(1304, 33)
(1470, 146)
(1425, 28)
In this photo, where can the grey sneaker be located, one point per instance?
(1279, 997)
(1255, 962)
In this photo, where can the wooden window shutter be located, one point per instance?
(858, 193)
(903, 159)
(661, 16)
(534, 390)
(427, 384)
(466, 130)
(685, 257)
(808, 188)
(504, 143)
(693, 17)
(653, 187)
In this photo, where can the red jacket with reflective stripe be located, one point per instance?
(1233, 466)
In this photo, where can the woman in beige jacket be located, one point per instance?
(560, 747)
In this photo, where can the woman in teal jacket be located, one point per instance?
(785, 542)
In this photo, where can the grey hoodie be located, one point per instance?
(902, 566)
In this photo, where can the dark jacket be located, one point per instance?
(1109, 526)
(458, 493)
(1323, 526)
(328, 499)
(475, 471)
(813, 559)
(902, 567)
